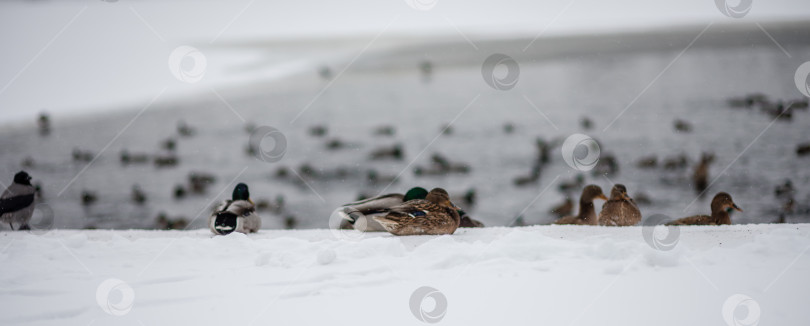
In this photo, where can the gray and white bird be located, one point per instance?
(17, 202)
(235, 215)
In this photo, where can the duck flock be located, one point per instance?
(417, 211)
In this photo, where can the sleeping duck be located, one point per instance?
(367, 209)
(433, 215)
(620, 209)
(235, 215)
(587, 214)
(722, 206)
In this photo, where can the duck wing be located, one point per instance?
(375, 204)
(15, 203)
(419, 217)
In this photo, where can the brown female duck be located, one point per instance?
(620, 209)
(722, 206)
(433, 215)
(587, 214)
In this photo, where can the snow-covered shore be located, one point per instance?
(549, 275)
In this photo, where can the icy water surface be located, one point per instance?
(386, 88)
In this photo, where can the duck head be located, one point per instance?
(619, 192)
(439, 196)
(241, 193)
(722, 202)
(22, 178)
(415, 193)
(591, 192)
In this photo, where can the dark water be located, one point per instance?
(386, 88)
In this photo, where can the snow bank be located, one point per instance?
(542, 275)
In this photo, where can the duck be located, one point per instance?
(138, 196)
(133, 158)
(434, 215)
(376, 206)
(647, 162)
(722, 206)
(803, 149)
(467, 222)
(585, 123)
(394, 152)
(701, 175)
(608, 165)
(620, 209)
(587, 213)
(508, 128)
(235, 215)
(17, 202)
(563, 209)
(386, 130)
(682, 126)
(80, 155)
(88, 198)
(184, 130)
(44, 124)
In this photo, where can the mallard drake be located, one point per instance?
(722, 206)
(235, 215)
(620, 209)
(376, 206)
(587, 214)
(17, 202)
(433, 215)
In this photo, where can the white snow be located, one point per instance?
(541, 275)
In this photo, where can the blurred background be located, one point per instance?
(126, 111)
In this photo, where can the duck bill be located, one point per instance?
(734, 206)
(602, 197)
